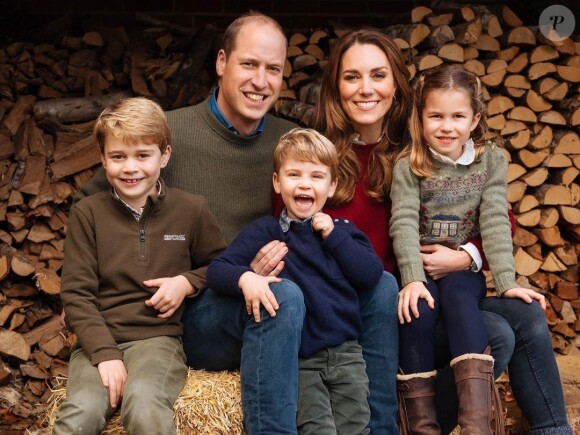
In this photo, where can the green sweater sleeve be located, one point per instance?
(494, 221)
(404, 224)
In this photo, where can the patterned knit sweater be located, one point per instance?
(234, 173)
(454, 204)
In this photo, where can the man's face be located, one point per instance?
(251, 76)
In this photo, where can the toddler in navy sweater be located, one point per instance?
(331, 261)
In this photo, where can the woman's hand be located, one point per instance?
(439, 260)
(409, 298)
(268, 260)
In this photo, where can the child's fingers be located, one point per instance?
(256, 310)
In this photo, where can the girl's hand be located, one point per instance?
(526, 295)
(169, 295)
(409, 297)
(439, 260)
(322, 223)
(256, 290)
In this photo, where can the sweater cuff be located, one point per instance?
(106, 355)
(412, 273)
(504, 282)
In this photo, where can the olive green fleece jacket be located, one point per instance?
(234, 173)
(108, 255)
(451, 206)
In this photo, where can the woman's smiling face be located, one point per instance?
(366, 87)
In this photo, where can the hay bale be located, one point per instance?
(210, 403)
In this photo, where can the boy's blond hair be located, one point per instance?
(307, 145)
(133, 120)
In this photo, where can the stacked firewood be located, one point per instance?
(52, 90)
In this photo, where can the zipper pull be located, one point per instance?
(142, 235)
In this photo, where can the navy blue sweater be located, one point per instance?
(329, 272)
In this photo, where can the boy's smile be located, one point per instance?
(133, 169)
(304, 186)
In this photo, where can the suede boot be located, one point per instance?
(480, 411)
(417, 414)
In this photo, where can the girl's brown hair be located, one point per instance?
(445, 77)
(330, 118)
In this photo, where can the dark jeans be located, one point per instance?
(457, 298)
(519, 337)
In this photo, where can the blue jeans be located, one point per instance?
(220, 335)
(380, 343)
(519, 337)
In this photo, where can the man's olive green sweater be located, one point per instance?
(234, 173)
(108, 255)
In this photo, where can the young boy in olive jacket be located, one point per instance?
(132, 255)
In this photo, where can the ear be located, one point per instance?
(103, 161)
(220, 63)
(276, 183)
(165, 156)
(332, 188)
(475, 121)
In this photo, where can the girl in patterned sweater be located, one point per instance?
(448, 187)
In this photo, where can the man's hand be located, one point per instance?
(526, 295)
(439, 260)
(268, 260)
(113, 375)
(256, 290)
(322, 223)
(409, 298)
(169, 295)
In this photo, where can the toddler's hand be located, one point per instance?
(322, 223)
(526, 294)
(409, 298)
(256, 290)
(169, 295)
(113, 375)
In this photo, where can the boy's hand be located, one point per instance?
(526, 295)
(170, 294)
(113, 375)
(409, 297)
(256, 290)
(268, 260)
(322, 223)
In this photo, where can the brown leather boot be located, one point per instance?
(480, 411)
(417, 414)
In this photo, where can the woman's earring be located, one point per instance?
(395, 96)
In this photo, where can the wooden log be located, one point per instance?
(499, 104)
(532, 159)
(19, 113)
(48, 281)
(536, 177)
(529, 219)
(71, 110)
(521, 36)
(527, 203)
(414, 34)
(13, 345)
(525, 264)
(550, 236)
(569, 215)
(516, 191)
(524, 238)
(552, 264)
(550, 194)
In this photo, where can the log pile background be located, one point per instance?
(51, 92)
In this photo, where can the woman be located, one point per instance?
(363, 108)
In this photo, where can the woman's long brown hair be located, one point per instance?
(330, 119)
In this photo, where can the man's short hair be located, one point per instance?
(307, 145)
(133, 120)
(232, 31)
